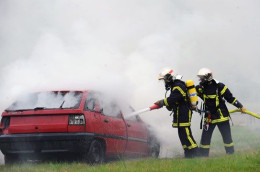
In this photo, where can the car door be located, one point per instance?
(137, 136)
(114, 128)
(92, 114)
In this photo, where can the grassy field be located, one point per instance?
(239, 162)
(246, 158)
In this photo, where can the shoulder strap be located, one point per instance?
(180, 90)
(184, 94)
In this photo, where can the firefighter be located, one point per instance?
(178, 103)
(213, 93)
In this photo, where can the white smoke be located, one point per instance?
(120, 46)
(48, 100)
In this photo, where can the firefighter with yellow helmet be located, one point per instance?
(213, 94)
(178, 103)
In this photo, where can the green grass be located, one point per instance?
(238, 162)
(246, 158)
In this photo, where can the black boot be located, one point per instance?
(187, 153)
(203, 152)
(230, 150)
(195, 152)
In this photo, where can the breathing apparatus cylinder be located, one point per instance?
(192, 92)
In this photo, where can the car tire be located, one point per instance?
(154, 153)
(154, 148)
(96, 153)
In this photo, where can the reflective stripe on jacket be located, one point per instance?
(178, 101)
(213, 95)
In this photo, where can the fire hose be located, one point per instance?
(153, 107)
(247, 112)
(200, 111)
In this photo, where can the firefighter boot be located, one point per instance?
(187, 153)
(203, 152)
(191, 153)
(195, 152)
(229, 150)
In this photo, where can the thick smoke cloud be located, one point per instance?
(120, 46)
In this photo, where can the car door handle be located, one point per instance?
(106, 120)
(128, 125)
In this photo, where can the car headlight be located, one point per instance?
(77, 119)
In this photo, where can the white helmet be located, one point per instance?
(167, 75)
(205, 74)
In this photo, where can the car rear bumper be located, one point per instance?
(45, 142)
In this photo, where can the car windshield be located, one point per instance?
(48, 100)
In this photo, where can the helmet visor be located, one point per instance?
(202, 78)
(160, 77)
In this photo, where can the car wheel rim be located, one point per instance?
(96, 153)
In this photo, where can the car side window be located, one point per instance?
(111, 109)
(128, 110)
(100, 103)
(90, 103)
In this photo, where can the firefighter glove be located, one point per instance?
(169, 108)
(194, 108)
(243, 109)
(160, 103)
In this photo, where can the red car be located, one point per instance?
(74, 125)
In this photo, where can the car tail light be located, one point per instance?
(77, 119)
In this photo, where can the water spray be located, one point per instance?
(155, 106)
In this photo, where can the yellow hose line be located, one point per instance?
(247, 112)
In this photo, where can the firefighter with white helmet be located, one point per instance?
(178, 103)
(213, 94)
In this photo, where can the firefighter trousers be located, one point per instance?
(224, 128)
(188, 143)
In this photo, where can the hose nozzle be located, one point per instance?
(155, 106)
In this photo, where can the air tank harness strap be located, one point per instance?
(202, 112)
(190, 87)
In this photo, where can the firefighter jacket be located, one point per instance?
(213, 94)
(177, 101)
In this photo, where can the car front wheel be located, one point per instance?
(154, 148)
